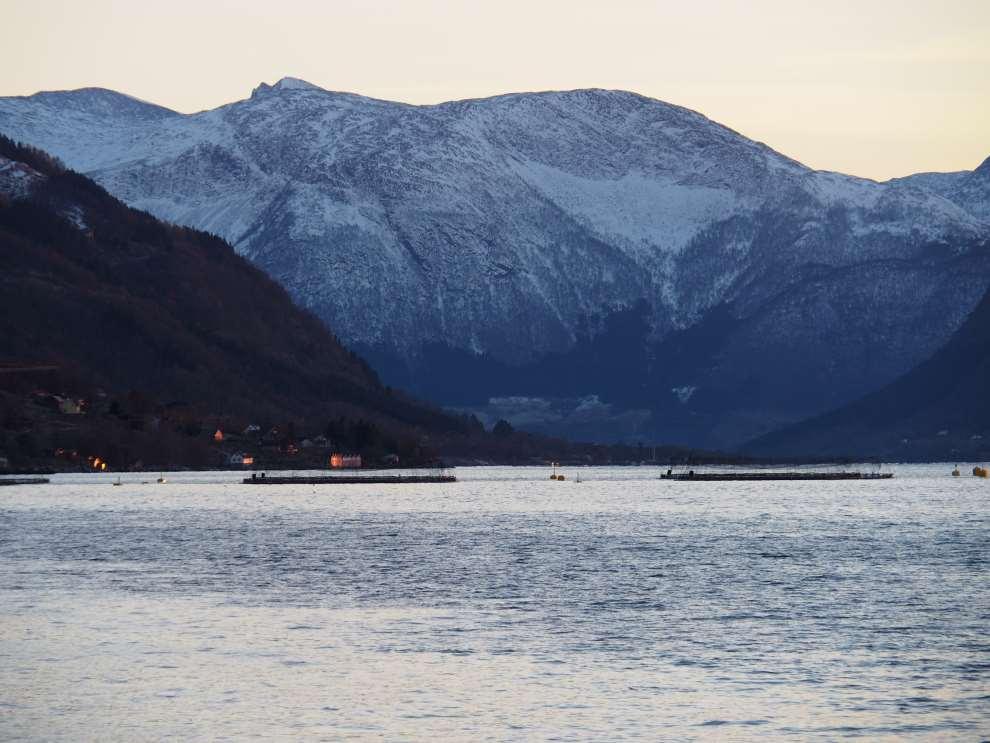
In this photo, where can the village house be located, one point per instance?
(340, 461)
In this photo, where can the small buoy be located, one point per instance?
(553, 477)
(561, 477)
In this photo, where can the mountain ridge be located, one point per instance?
(511, 227)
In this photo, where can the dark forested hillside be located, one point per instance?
(939, 410)
(110, 299)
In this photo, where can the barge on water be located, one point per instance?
(263, 479)
(24, 481)
(693, 476)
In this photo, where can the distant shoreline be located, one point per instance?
(473, 465)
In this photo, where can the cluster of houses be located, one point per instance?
(276, 440)
(93, 462)
(240, 445)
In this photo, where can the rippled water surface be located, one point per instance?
(504, 606)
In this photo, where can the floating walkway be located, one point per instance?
(764, 476)
(24, 481)
(348, 479)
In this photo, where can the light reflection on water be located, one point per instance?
(502, 606)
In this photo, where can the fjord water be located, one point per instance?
(503, 606)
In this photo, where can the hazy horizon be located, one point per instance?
(879, 91)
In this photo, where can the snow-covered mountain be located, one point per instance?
(638, 268)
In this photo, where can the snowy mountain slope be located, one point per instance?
(968, 189)
(506, 231)
(88, 127)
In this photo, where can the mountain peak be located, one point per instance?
(286, 83)
(984, 168)
(295, 83)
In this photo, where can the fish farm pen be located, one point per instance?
(764, 476)
(347, 479)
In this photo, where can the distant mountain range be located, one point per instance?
(592, 263)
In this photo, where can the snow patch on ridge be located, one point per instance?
(17, 179)
(294, 83)
(647, 213)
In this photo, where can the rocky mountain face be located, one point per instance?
(593, 263)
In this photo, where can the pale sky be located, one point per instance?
(877, 88)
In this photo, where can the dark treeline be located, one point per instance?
(127, 307)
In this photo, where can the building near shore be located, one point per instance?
(339, 461)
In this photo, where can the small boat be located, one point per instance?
(162, 480)
(981, 472)
(955, 472)
(117, 483)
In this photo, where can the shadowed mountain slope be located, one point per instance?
(938, 411)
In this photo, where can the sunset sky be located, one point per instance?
(876, 89)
